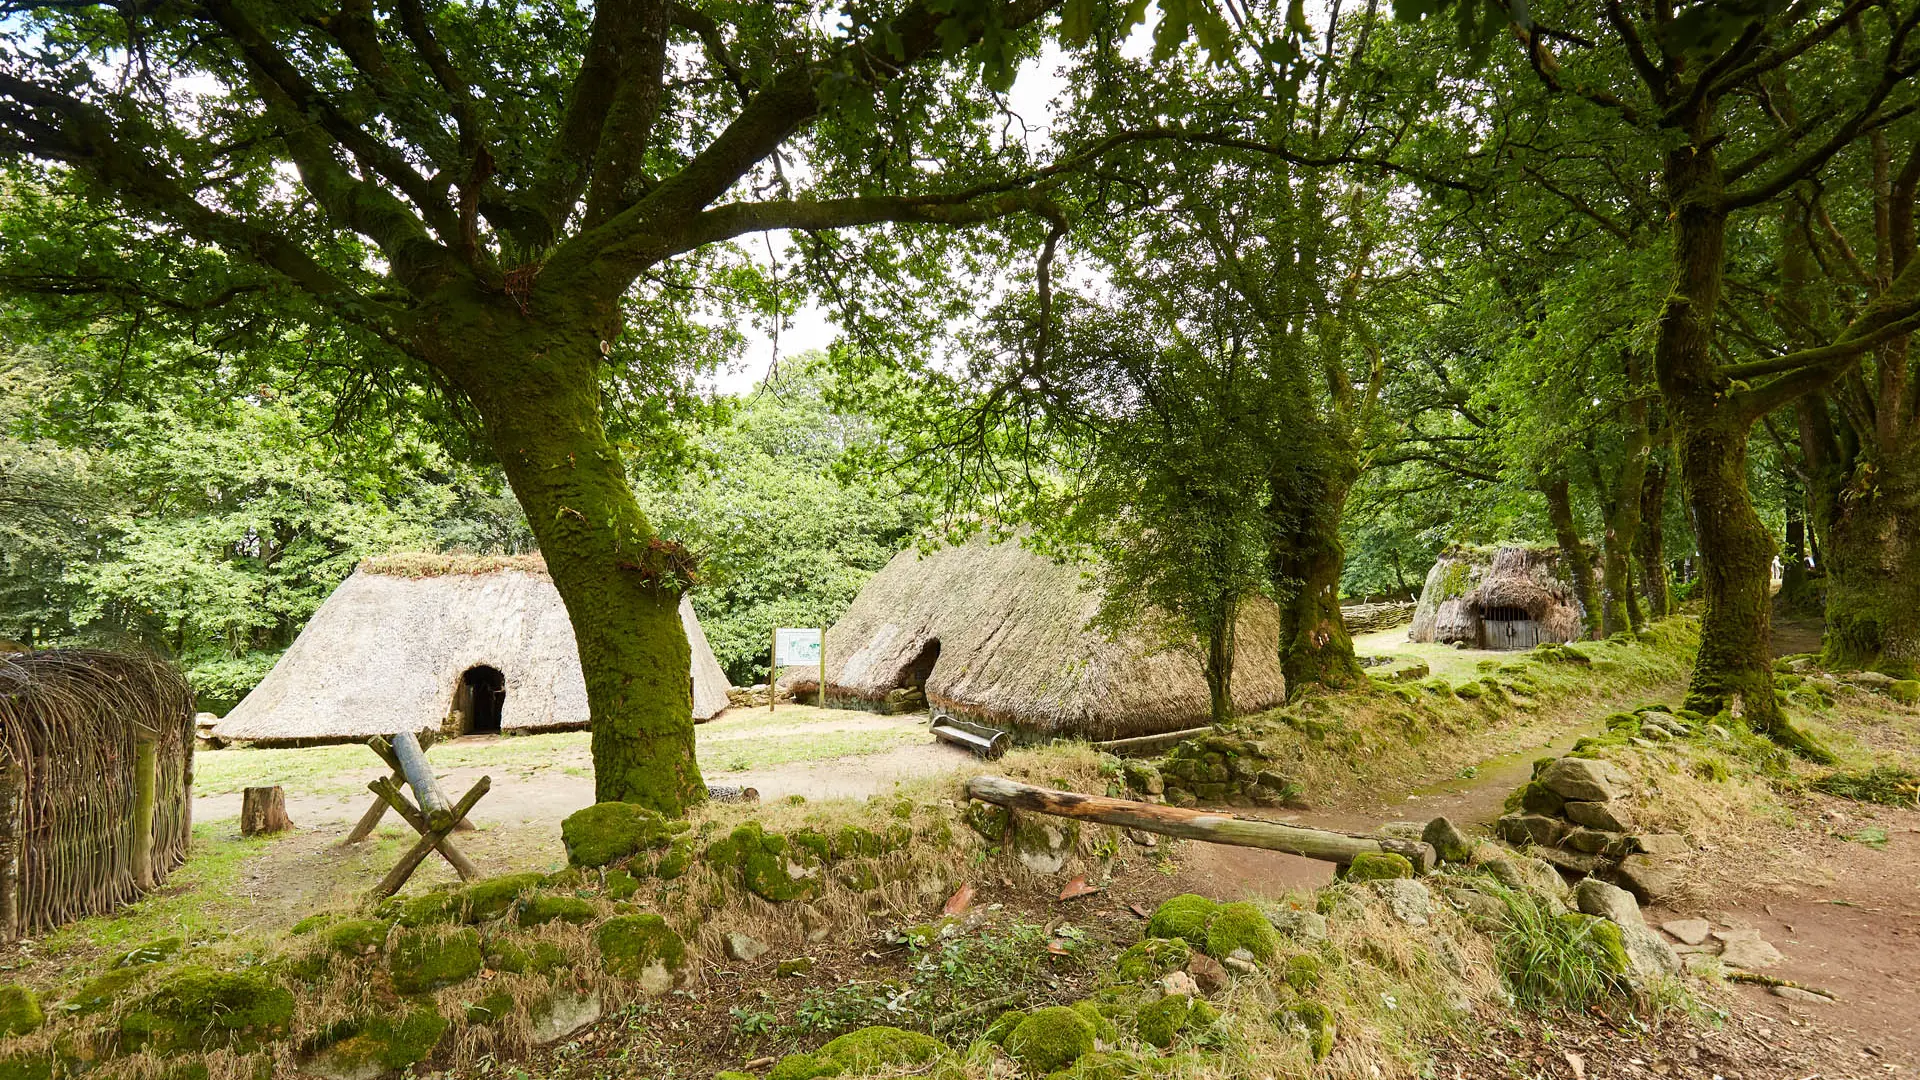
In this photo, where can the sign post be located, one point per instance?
(794, 646)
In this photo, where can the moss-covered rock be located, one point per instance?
(1159, 1023)
(766, 864)
(607, 832)
(492, 1007)
(675, 860)
(533, 958)
(152, 952)
(357, 937)
(1905, 691)
(1105, 1031)
(1149, 958)
(1378, 866)
(546, 909)
(1302, 972)
(794, 968)
(1602, 939)
(26, 1067)
(1241, 926)
(426, 959)
(619, 885)
(988, 820)
(19, 1010)
(873, 1048)
(802, 1067)
(428, 909)
(1050, 1039)
(643, 948)
(1184, 916)
(494, 897)
(100, 991)
(198, 1008)
(384, 1043)
(1311, 1021)
(1003, 1026)
(1109, 1065)
(1043, 844)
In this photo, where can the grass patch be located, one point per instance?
(1885, 785)
(1553, 962)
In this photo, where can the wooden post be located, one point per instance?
(390, 795)
(12, 781)
(773, 667)
(1212, 827)
(263, 810)
(821, 698)
(428, 842)
(145, 779)
(364, 828)
(426, 790)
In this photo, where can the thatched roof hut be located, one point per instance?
(997, 633)
(1498, 598)
(96, 783)
(455, 644)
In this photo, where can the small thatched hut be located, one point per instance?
(1498, 598)
(96, 783)
(454, 644)
(997, 633)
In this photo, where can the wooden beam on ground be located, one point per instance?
(426, 790)
(1147, 744)
(429, 841)
(1211, 826)
(391, 795)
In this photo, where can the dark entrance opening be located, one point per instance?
(1509, 628)
(909, 693)
(480, 699)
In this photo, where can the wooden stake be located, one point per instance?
(821, 698)
(429, 841)
(1213, 827)
(426, 790)
(145, 777)
(12, 784)
(773, 667)
(391, 795)
(263, 810)
(374, 813)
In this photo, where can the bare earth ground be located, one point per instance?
(1846, 916)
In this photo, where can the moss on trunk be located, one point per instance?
(1650, 545)
(1304, 564)
(1579, 559)
(1873, 570)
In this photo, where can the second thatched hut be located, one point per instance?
(1498, 598)
(997, 633)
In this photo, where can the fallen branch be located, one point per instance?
(1757, 979)
(1210, 826)
(943, 1024)
(1147, 744)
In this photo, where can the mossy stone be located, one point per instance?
(1110, 1065)
(537, 958)
(1302, 972)
(676, 860)
(1378, 866)
(1242, 926)
(1905, 691)
(314, 922)
(1604, 941)
(1104, 1029)
(764, 864)
(802, 1067)
(151, 953)
(1312, 1021)
(19, 1010)
(620, 885)
(357, 937)
(858, 877)
(100, 991)
(546, 909)
(1050, 1039)
(872, 1048)
(199, 1008)
(492, 1008)
(388, 1042)
(641, 947)
(607, 832)
(1003, 1026)
(1537, 798)
(429, 909)
(988, 820)
(1149, 958)
(494, 897)
(1184, 916)
(1158, 1023)
(794, 968)
(26, 1067)
(426, 959)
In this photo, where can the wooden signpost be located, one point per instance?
(793, 646)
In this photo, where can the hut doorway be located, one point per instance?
(1508, 629)
(909, 693)
(480, 699)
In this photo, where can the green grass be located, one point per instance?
(1886, 785)
(1552, 963)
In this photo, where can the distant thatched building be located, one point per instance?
(439, 643)
(96, 783)
(997, 633)
(1498, 598)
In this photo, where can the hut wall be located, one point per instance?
(69, 725)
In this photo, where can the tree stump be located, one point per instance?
(263, 810)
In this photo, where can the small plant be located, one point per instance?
(1887, 785)
(1558, 962)
(850, 1006)
(1873, 836)
(754, 1020)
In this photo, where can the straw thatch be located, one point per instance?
(388, 650)
(71, 723)
(1014, 649)
(1468, 585)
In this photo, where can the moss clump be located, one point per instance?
(100, 991)
(19, 1010)
(1104, 1029)
(358, 937)
(764, 863)
(1905, 691)
(313, 922)
(1242, 926)
(546, 909)
(1302, 972)
(27, 1067)
(388, 1042)
(988, 820)
(1603, 941)
(620, 885)
(1312, 1021)
(607, 832)
(1050, 1039)
(1183, 916)
(1110, 1065)
(1148, 959)
(539, 958)
(641, 947)
(1378, 866)
(802, 1067)
(423, 959)
(858, 877)
(1160, 1022)
(495, 896)
(198, 1008)
(1003, 1026)
(151, 953)
(674, 861)
(493, 1007)
(794, 968)
(874, 1048)
(430, 909)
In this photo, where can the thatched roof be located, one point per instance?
(1467, 582)
(1014, 648)
(388, 649)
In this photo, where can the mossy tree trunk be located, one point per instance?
(1622, 510)
(1579, 557)
(1650, 544)
(1305, 561)
(1218, 666)
(1873, 569)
